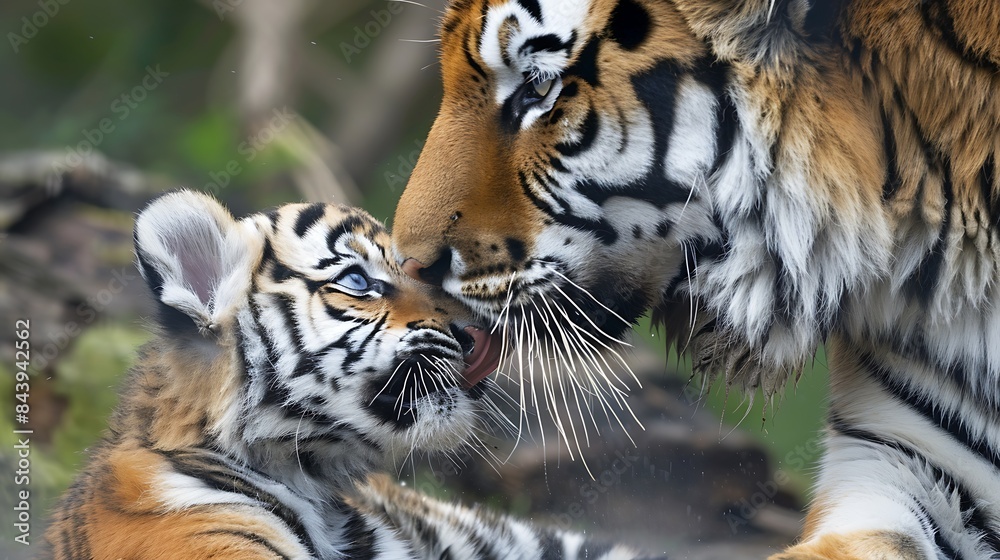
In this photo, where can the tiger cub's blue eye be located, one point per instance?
(354, 281)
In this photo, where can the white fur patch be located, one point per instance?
(692, 140)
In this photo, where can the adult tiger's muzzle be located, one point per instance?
(463, 216)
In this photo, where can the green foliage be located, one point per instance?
(208, 140)
(88, 378)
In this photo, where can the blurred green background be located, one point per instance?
(260, 103)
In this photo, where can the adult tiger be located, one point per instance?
(294, 358)
(765, 175)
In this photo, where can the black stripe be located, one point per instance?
(726, 118)
(355, 355)
(359, 536)
(251, 537)
(75, 544)
(483, 548)
(923, 282)
(308, 364)
(629, 25)
(347, 226)
(974, 517)
(934, 413)
(557, 165)
(275, 392)
(931, 526)
(336, 313)
(822, 20)
(656, 88)
(987, 184)
(220, 476)
(839, 425)
(602, 229)
(308, 217)
(591, 549)
(552, 547)
(588, 133)
(547, 42)
(530, 193)
(546, 182)
(280, 272)
(273, 356)
(471, 60)
(937, 16)
(242, 368)
(329, 261)
(914, 347)
(892, 179)
(285, 305)
(784, 293)
(585, 66)
(532, 8)
(426, 531)
(272, 216)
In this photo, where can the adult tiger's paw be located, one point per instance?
(880, 545)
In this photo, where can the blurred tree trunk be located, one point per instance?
(276, 66)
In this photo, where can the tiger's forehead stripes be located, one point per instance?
(311, 238)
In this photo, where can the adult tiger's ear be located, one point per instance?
(196, 259)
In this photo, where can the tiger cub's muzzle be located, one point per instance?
(430, 360)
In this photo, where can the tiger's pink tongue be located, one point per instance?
(484, 359)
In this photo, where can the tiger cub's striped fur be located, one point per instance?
(294, 359)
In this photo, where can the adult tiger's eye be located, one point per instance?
(542, 88)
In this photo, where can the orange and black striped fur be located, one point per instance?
(767, 176)
(294, 359)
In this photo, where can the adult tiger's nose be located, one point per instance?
(429, 274)
(412, 268)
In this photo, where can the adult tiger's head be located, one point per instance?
(547, 172)
(301, 332)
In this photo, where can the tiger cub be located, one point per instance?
(294, 360)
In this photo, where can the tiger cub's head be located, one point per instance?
(314, 336)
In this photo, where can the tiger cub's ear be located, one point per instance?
(196, 259)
